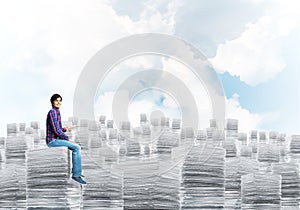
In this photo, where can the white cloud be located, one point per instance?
(59, 37)
(152, 19)
(247, 121)
(103, 105)
(53, 40)
(256, 56)
(194, 85)
(170, 103)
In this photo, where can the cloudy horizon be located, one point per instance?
(253, 46)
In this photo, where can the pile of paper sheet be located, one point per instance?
(261, 191)
(13, 187)
(290, 183)
(203, 175)
(47, 179)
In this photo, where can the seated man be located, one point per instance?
(56, 137)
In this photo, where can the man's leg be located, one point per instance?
(76, 155)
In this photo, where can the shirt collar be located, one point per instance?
(56, 109)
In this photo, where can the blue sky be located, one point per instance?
(252, 44)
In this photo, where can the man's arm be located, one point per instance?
(67, 128)
(55, 125)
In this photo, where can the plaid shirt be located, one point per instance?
(54, 127)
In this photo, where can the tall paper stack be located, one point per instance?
(15, 148)
(13, 187)
(12, 129)
(235, 168)
(290, 184)
(140, 179)
(261, 191)
(203, 178)
(48, 183)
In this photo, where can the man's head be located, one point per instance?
(56, 100)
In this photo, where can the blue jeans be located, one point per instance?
(76, 155)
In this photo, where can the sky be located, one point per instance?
(253, 45)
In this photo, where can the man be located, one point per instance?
(56, 137)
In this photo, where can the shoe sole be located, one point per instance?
(78, 181)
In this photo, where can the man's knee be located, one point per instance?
(77, 148)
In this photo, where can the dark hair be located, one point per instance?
(54, 97)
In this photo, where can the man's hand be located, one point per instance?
(69, 128)
(71, 140)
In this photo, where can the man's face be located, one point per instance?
(57, 103)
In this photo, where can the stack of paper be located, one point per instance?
(231, 124)
(133, 148)
(82, 138)
(253, 144)
(95, 141)
(183, 133)
(253, 134)
(15, 149)
(83, 123)
(2, 142)
(290, 184)
(212, 123)
(283, 146)
(282, 137)
(140, 178)
(13, 187)
(125, 126)
(273, 136)
(246, 151)
(295, 144)
(209, 132)
(110, 124)
(201, 135)
(165, 122)
(262, 137)
(176, 123)
(29, 131)
(22, 127)
(166, 141)
(146, 130)
(232, 183)
(218, 136)
(143, 118)
(167, 187)
(48, 183)
(235, 168)
(94, 126)
(268, 153)
(242, 137)
(73, 120)
(147, 150)
(2, 152)
(104, 189)
(189, 132)
(102, 119)
(203, 175)
(232, 128)
(12, 129)
(137, 132)
(35, 125)
(113, 133)
(230, 147)
(155, 121)
(261, 191)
